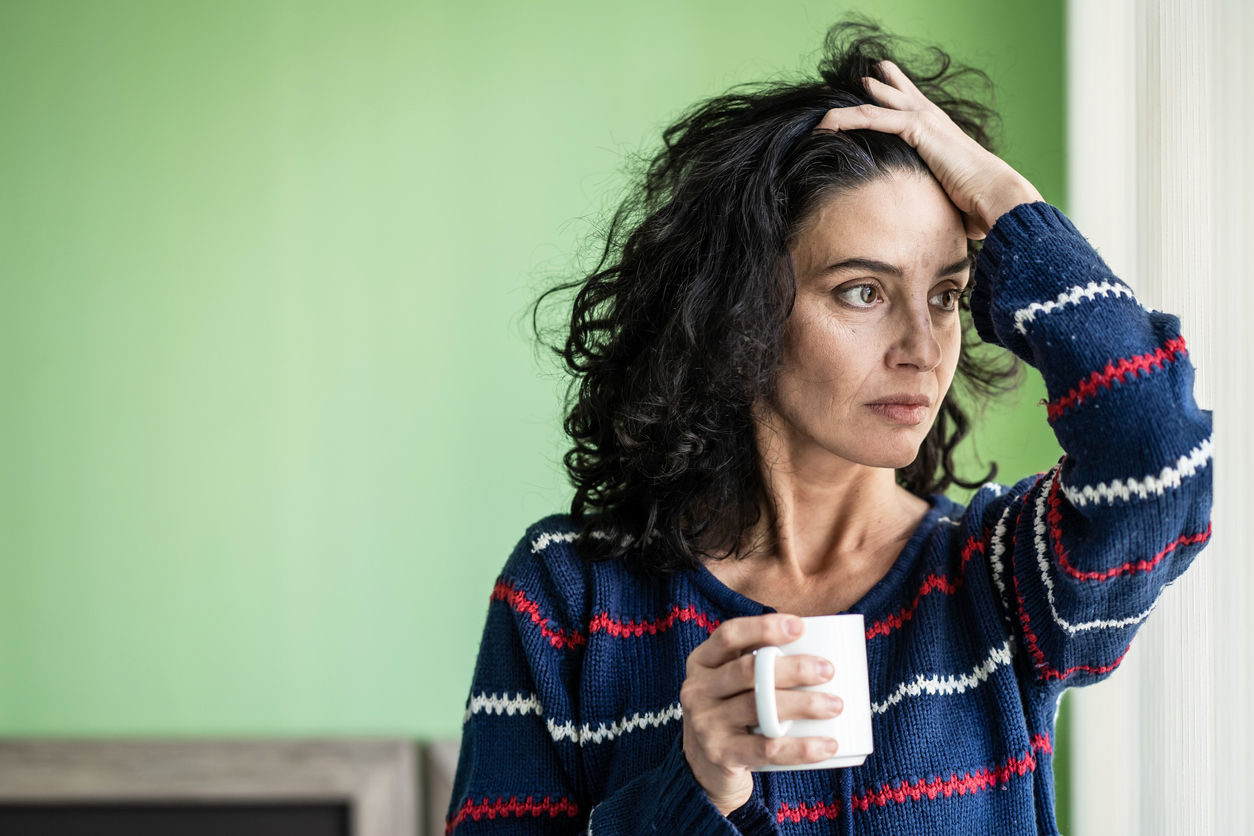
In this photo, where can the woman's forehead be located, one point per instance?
(906, 221)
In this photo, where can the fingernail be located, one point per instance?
(830, 747)
(825, 669)
(793, 626)
(837, 704)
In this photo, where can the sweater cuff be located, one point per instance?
(752, 818)
(1022, 224)
(682, 800)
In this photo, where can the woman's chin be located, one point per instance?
(890, 459)
(894, 452)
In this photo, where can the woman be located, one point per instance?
(762, 423)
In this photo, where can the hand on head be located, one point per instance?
(982, 185)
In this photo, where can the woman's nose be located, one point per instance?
(916, 344)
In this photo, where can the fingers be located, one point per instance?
(903, 105)
(755, 750)
(736, 676)
(907, 124)
(736, 636)
(888, 95)
(742, 711)
(719, 706)
(897, 78)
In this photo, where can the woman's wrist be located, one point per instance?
(1011, 191)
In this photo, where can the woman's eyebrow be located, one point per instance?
(874, 266)
(955, 268)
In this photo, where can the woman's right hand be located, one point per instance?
(982, 185)
(719, 708)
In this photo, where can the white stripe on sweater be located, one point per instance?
(585, 734)
(1042, 561)
(1074, 296)
(502, 704)
(944, 686)
(995, 553)
(524, 704)
(1170, 477)
(542, 542)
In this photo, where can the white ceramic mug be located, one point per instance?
(841, 640)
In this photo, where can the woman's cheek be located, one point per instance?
(817, 344)
(953, 346)
(821, 358)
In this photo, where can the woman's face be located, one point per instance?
(873, 339)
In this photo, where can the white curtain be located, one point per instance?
(1158, 112)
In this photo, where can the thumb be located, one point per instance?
(974, 226)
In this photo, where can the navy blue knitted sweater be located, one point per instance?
(987, 615)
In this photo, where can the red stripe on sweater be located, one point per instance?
(621, 629)
(812, 811)
(1130, 568)
(1117, 372)
(931, 584)
(475, 810)
(561, 639)
(970, 782)
(902, 791)
(1043, 667)
(516, 598)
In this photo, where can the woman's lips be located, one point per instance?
(900, 413)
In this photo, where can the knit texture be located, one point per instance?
(988, 614)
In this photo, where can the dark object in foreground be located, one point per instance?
(296, 819)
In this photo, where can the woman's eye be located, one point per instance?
(861, 296)
(946, 300)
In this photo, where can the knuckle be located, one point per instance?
(743, 632)
(770, 747)
(930, 122)
(813, 750)
(868, 110)
(727, 633)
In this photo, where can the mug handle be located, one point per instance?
(764, 692)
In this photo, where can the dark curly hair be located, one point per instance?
(678, 330)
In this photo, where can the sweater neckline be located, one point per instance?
(736, 604)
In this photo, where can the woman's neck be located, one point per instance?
(817, 528)
(831, 531)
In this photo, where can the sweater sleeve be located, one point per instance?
(520, 769)
(1081, 554)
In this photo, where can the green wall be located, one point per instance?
(270, 420)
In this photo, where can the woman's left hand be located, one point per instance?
(982, 185)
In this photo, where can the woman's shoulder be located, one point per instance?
(546, 569)
(546, 548)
